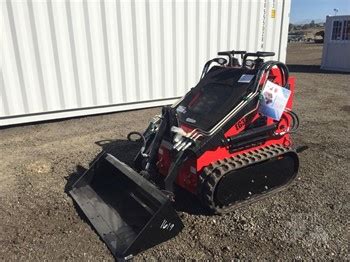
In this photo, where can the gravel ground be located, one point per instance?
(310, 220)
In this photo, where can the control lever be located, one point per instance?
(258, 61)
(221, 61)
(233, 61)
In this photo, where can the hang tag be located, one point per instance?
(273, 100)
(245, 78)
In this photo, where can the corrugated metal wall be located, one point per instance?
(70, 58)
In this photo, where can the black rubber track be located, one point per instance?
(212, 175)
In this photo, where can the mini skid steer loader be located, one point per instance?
(215, 142)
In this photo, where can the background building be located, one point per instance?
(336, 47)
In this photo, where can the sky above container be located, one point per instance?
(303, 11)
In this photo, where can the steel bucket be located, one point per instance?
(127, 211)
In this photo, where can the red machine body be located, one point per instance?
(192, 168)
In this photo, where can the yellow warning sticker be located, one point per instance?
(273, 13)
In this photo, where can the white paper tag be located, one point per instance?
(245, 78)
(273, 100)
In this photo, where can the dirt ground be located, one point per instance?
(310, 220)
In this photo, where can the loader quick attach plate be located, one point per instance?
(127, 211)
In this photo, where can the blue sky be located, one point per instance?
(317, 9)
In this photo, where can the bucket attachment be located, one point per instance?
(127, 211)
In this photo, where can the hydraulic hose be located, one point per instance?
(295, 118)
(267, 66)
(141, 137)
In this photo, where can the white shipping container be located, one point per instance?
(73, 58)
(336, 47)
